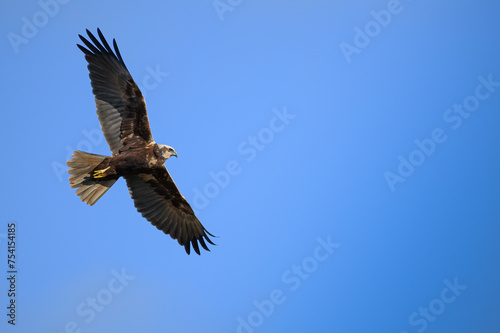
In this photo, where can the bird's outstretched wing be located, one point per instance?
(157, 198)
(121, 108)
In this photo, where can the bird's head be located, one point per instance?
(167, 151)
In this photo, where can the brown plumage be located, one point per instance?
(121, 110)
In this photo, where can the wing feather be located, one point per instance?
(121, 107)
(157, 198)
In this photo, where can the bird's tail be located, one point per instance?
(89, 189)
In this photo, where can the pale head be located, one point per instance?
(167, 151)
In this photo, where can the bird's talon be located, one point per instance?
(100, 173)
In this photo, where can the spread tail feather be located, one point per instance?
(88, 188)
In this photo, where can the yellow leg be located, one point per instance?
(100, 173)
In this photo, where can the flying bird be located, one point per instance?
(122, 114)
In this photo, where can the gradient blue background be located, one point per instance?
(321, 176)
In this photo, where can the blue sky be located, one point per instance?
(346, 156)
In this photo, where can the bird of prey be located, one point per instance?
(121, 110)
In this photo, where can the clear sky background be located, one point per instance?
(346, 155)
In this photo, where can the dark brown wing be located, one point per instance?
(121, 108)
(157, 198)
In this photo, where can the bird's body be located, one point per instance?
(146, 158)
(121, 109)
